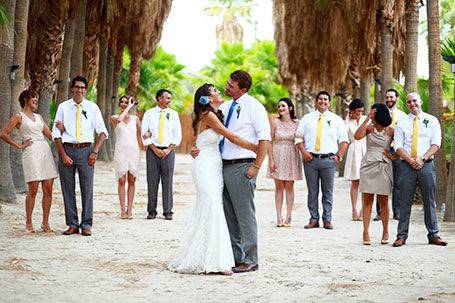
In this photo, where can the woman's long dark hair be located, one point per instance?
(290, 106)
(200, 109)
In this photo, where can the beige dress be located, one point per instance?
(126, 152)
(376, 174)
(37, 159)
(356, 150)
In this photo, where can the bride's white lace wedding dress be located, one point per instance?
(206, 246)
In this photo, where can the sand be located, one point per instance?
(125, 260)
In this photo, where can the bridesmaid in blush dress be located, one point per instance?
(126, 153)
(285, 165)
(37, 160)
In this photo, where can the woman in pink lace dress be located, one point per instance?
(285, 165)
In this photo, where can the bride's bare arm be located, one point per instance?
(212, 120)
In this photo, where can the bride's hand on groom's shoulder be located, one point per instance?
(194, 152)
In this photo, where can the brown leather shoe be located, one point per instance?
(399, 242)
(437, 241)
(312, 224)
(71, 231)
(168, 217)
(86, 231)
(328, 225)
(245, 268)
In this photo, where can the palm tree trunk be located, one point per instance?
(135, 73)
(65, 63)
(77, 54)
(7, 190)
(17, 85)
(365, 85)
(101, 91)
(450, 195)
(387, 62)
(108, 103)
(435, 93)
(411, 45)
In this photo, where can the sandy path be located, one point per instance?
(125, 260)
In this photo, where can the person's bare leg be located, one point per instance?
(46, 186)
(354, 195)
(384, 204)
(131, 190)
(279, 188)
(367, 204)
(30, 204)
(121, 195)
(289, 189)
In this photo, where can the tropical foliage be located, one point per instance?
(3, 15)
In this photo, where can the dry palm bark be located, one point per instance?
(412, 39)
(450, 194)
(65, 63)
(17, 86)
(91, 43)
(435, 94)
(7, 190)
(77, 53)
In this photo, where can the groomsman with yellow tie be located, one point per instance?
(161, 133)
(76, 121)
(417, 139)
(325, 142)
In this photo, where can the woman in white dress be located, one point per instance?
(37, 160)
(206, 245)
(126, 153)
(356, 151)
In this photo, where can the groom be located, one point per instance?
(247, 117)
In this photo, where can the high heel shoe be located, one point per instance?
(287, 222)
(385, 239)
(47, 230)
(366, 240)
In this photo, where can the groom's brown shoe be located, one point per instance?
(399, 242)
(312, 224)
(86, 231)
(243, 267)
(437, 241)
(71, 231)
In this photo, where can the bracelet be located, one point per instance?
(255, 166)
(94, 152)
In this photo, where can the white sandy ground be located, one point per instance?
(125, 260)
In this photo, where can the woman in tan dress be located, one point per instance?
(285, 165)
(376, 175)
(37, 160)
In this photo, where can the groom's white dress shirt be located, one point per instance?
(250, 121)
(172, 128)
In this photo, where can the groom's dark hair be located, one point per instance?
(242, 78)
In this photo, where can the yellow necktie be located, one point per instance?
(415, 135)
(319, 133)
(393, 120)
(78, 124)
(161, 129)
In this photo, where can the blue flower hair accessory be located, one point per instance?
(204, 100)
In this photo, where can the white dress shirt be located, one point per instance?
(91, 121)
(250, 121)
(172, 128)
(333, 132)
(398, 113)
(429, 133)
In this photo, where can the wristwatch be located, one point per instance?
(339, 158)
(423, 159)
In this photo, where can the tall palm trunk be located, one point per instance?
(412, 39)
(65, 63)
(101, 90)
(77, 54)
(17, 85)
(135, 73)
(435, 92)
(7, 190)
(108, 102)
(365, 85)
(386, 61)
(450, 195)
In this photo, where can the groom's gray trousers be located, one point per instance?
(238, 202)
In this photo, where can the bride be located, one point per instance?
(206, 246)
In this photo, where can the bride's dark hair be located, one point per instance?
(202, 109)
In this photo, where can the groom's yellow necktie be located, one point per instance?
(319, 133)
(415, 135)
(161, 129)
(78, 124)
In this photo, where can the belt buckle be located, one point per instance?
(320, 156)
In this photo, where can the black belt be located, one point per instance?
(78, 145)
(238, 161)
(322, 156)
(161, 147)
(426, 161)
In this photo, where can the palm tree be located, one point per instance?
(77, 53)
(7, 190)
(412, 39)
(435, 91)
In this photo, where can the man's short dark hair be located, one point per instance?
(161, 92)
(323, 92)
(242, 78)
(26, 95)
(80, 79)
(394, 91)
(382, 115)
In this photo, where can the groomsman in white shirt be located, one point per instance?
(161, 133)
(417, 139)
(73, 133)
(325, 142)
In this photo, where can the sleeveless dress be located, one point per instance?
(285, 153)
(376, 174)
(126, 151)
(37, 159)
(356, 150)
(206, 245)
